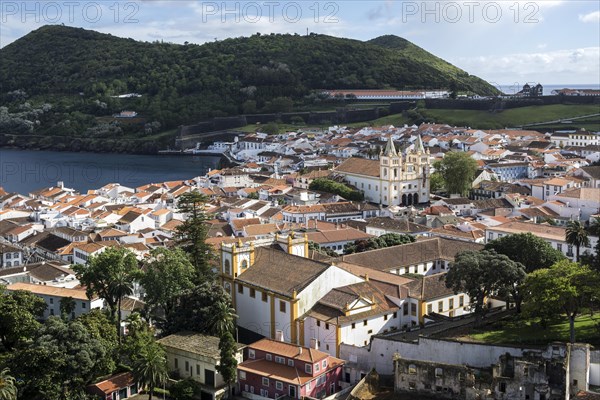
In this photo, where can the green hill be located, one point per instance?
(77, 72)
(462, 80)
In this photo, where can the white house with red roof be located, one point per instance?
(274, 369)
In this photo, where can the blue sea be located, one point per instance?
(23, 171)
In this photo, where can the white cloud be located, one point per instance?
(591, 17)
(568, 65)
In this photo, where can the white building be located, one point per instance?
(271, 288)
(10, 256)
(579, 203)
(580, 138)
(196, 356)
(424, 257)
(83, 252)
(53, 296)
(392, 180)
(554, 235)
(351, 315)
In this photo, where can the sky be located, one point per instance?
(504, 42)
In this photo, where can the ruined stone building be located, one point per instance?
(557, 372)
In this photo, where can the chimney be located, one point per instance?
(314, 344)
(279, 336)
(299, 350)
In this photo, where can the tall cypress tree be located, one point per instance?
(192, 233)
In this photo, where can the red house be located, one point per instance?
(274, 369)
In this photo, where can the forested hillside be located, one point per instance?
(60, 80)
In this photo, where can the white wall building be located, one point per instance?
(53, 296)
(196, 356)
(394, 179)
(271, 288)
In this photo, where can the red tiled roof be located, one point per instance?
(114, 383)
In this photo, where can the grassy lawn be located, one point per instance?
(516, 331)
(473, 118)
(510, 118)
(282, 128)
(592, 127)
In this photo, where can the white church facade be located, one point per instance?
(394, 179)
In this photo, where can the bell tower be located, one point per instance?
(389, 162)
(390, 172)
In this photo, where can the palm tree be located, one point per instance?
(150, 368)
(223, 318)
(576, 235)
(8, 390)
(120, 287)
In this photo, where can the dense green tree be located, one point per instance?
(331, 186)
(192, 233)
(270, 129)
(186, 389)
(110, 275)
(169, 274)
(566, 287)
(61, 360)
(67, 307)
(279, 105)
(481, 274)
(197, 309)
(139, 336)
(577, 236)
(222, 319)
(99, 326)
(383, 241)
(436, 182)
(323, 250)
(249, 107)
(8, 388)
(227, 363)
(19, 312)
(526, 248)
(458, 171)
(150, 368)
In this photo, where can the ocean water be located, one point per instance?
(23, 171)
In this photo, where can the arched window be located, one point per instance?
(227, 267)
(244, 264)
(385, 172)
